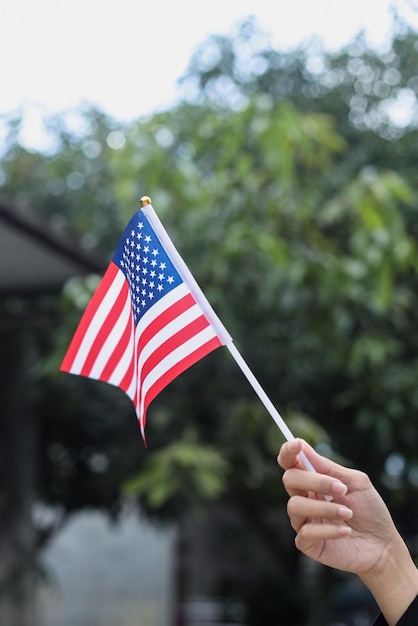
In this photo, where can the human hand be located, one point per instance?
(353, 532)
(348, 532)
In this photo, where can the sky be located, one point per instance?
(126, 56)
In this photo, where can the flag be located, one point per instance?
(148, 319)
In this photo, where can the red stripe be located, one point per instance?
(105, 329)
(169, 314)
(88, 315)
(119, 351)
(173, 342)
(175, 371)
(125, 383)
(153, 327)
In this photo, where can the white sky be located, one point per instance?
(126, 55)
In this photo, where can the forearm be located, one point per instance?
(394, 583)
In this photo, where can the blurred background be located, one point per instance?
(279, 146)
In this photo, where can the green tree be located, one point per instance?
(299, 223)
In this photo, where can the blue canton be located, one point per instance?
(148, 270)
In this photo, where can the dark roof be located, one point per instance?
(34, 259)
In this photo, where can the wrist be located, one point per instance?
(393, 581)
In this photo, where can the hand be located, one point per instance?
(349, 532)
(353, 532)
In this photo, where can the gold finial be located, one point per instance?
(145, 200)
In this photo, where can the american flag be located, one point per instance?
(148, 320)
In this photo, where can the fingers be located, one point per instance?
(301, 482)
(289, 454)
(329, 521)
(300, 509)
(289, 457)
(311, 535)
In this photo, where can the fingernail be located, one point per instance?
(344, 512)
(339, 488)
(344, 531)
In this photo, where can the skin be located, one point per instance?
(341, 521)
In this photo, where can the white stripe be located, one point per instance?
(97, 322)
(173, 358)
(159, 307)
(164, 303)
(112, 340)
(125, 361)
(168, 331)
(133, 389)
(131, 392)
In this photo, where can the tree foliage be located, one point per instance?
(287, 182)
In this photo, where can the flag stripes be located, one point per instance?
(165, 347)
(166, 354)
(158, 385)
(96, 313)
(146, 323)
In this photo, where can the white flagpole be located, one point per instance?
(266, 401)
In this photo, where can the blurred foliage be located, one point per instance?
(184, 467)
(287, 181)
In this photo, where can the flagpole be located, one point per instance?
(266, 401)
